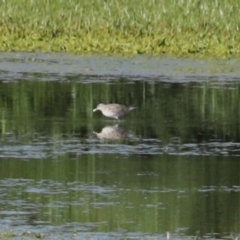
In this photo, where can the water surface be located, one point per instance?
(174, 173)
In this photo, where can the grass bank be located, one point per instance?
(178, 27)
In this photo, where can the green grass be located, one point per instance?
(178, 27)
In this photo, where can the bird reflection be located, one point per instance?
(113, 132)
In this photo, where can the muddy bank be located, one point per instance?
(15, 66)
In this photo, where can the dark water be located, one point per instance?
(174, 172)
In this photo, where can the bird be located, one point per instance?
(114, 110)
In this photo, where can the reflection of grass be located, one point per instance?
(54, 109)
(121, 26)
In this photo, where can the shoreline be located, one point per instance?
(120, 45)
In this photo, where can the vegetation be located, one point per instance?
(179, 27)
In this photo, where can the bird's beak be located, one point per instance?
(95, 109)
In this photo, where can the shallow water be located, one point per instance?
(174, 173)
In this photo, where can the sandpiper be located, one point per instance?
(114, 110)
